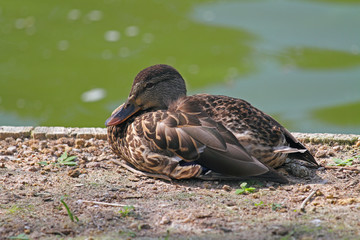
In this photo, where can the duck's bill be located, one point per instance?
(121, 114)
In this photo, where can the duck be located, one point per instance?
(163, 132)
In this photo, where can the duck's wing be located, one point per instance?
(192, 135)
(241, 116)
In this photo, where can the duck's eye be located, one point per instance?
(149, 85)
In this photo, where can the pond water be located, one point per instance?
(70, 63)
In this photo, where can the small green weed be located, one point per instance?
(126, 211)
(276, 206)
(244, 189)
(128, 233)
(14, 209)
(288, 236)
(21, 236)
(64, 159)
(255, 183)
(43, 163)
(345, 162)
(341, 162)
(259, 204)
(72, 217)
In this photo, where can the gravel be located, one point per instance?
(32, 183)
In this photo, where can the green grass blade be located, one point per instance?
(62, 157)
(69, 163)
(21, 236)
(69, 159)
(71, 216)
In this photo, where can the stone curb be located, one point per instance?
(52, 132)
(101, 133)
(327, 138)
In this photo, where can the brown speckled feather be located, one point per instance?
(174, 137)
(261, 135)
(161, 130)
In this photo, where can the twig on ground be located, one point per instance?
(133, 170)
(62, 232)
(342, 167)
(302, 206)
(104, 203)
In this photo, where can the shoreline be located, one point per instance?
(43, 133)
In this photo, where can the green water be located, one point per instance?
(69, 63)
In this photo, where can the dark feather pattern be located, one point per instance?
(190, 136)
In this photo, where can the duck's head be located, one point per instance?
(154, 88)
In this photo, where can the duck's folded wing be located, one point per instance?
(194, 137)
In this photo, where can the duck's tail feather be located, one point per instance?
(302, 153)
(287, 149)
(306, 156)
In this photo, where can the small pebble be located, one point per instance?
(337, 148)
(79, 143)
(226, 188)
(74, 173)
(33, 169)
(230, 203)
(279, 230)
(134, 179)
(48, 167)
(316, 222)
(226, 230)
(10, 150)
(206, 185)
(144, 226)
(321, 153)
(134, 225)
(93, 164)
(165, 220)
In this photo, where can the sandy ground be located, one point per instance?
(110, 202)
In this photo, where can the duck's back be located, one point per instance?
(261, 135)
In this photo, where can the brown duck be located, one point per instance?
(160, 130)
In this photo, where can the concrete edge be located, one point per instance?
(51, 132)
(42, 133)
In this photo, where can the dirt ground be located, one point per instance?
(106, 201)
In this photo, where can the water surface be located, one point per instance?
(70, 63)
(307, 59)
